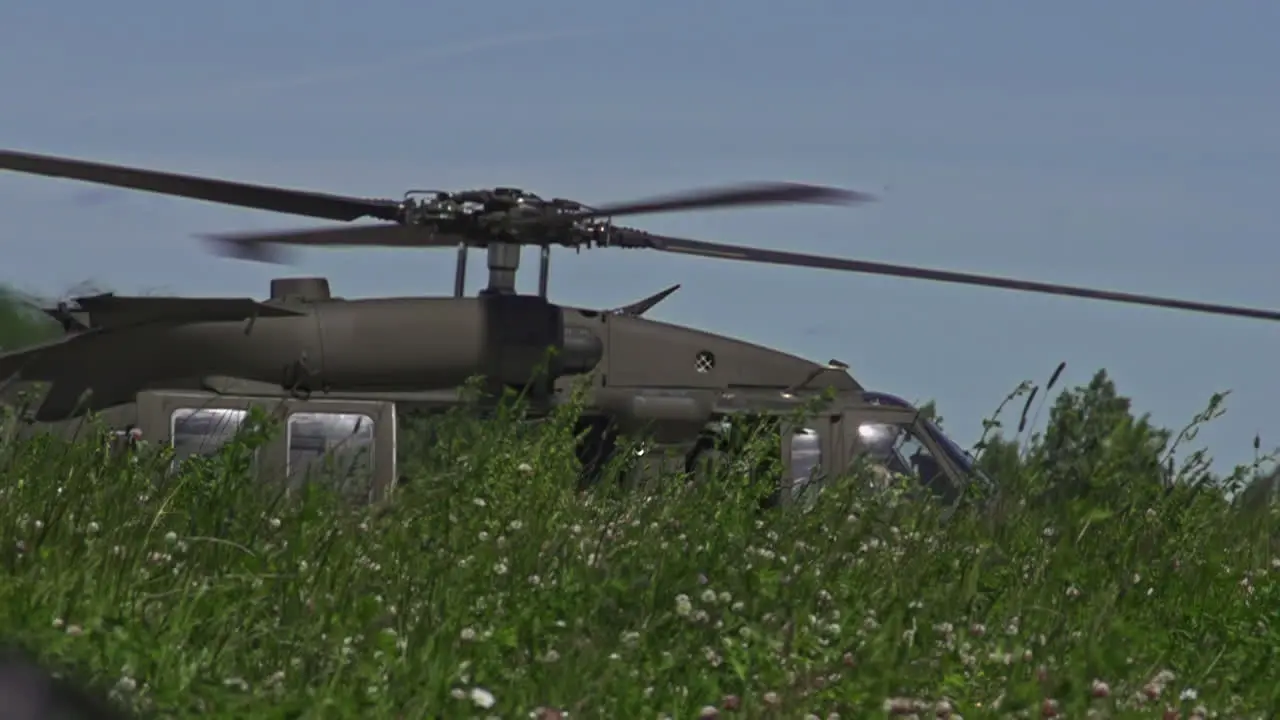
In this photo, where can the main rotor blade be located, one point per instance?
(773, 193)
(631, 238)
(226, 192)
(271, 247)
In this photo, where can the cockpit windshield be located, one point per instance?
(955, 453)
(958, 455)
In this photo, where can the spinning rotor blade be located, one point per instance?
(773, 193)
(259, 197)
(637, 239)
(270, 247)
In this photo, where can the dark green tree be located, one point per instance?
(21, 323)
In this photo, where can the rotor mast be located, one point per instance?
(503, 260)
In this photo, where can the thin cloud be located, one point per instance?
(208, 97)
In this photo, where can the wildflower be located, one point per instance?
(237, 683)
(482, 698)
(683, 606)
(902, 706)
(1155, 687)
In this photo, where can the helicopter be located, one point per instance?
(340, 370)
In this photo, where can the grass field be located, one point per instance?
(1098, 582)
(491, 588)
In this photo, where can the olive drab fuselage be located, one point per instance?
(324, 362)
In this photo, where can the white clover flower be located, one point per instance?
(482, 698)
(683, 606)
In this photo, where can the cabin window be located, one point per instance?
(898, 450)
(202, 431)
(334, 444)
(803, 473)
(806, 459)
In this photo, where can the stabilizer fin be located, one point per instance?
(640, 307)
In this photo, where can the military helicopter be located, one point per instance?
(341, 369)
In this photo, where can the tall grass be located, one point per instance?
(493, 587)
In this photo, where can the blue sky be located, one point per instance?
(1129, 145)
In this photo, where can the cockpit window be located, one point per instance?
(896, 449)
(954, 452)
(806, 459)
(958, 455)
